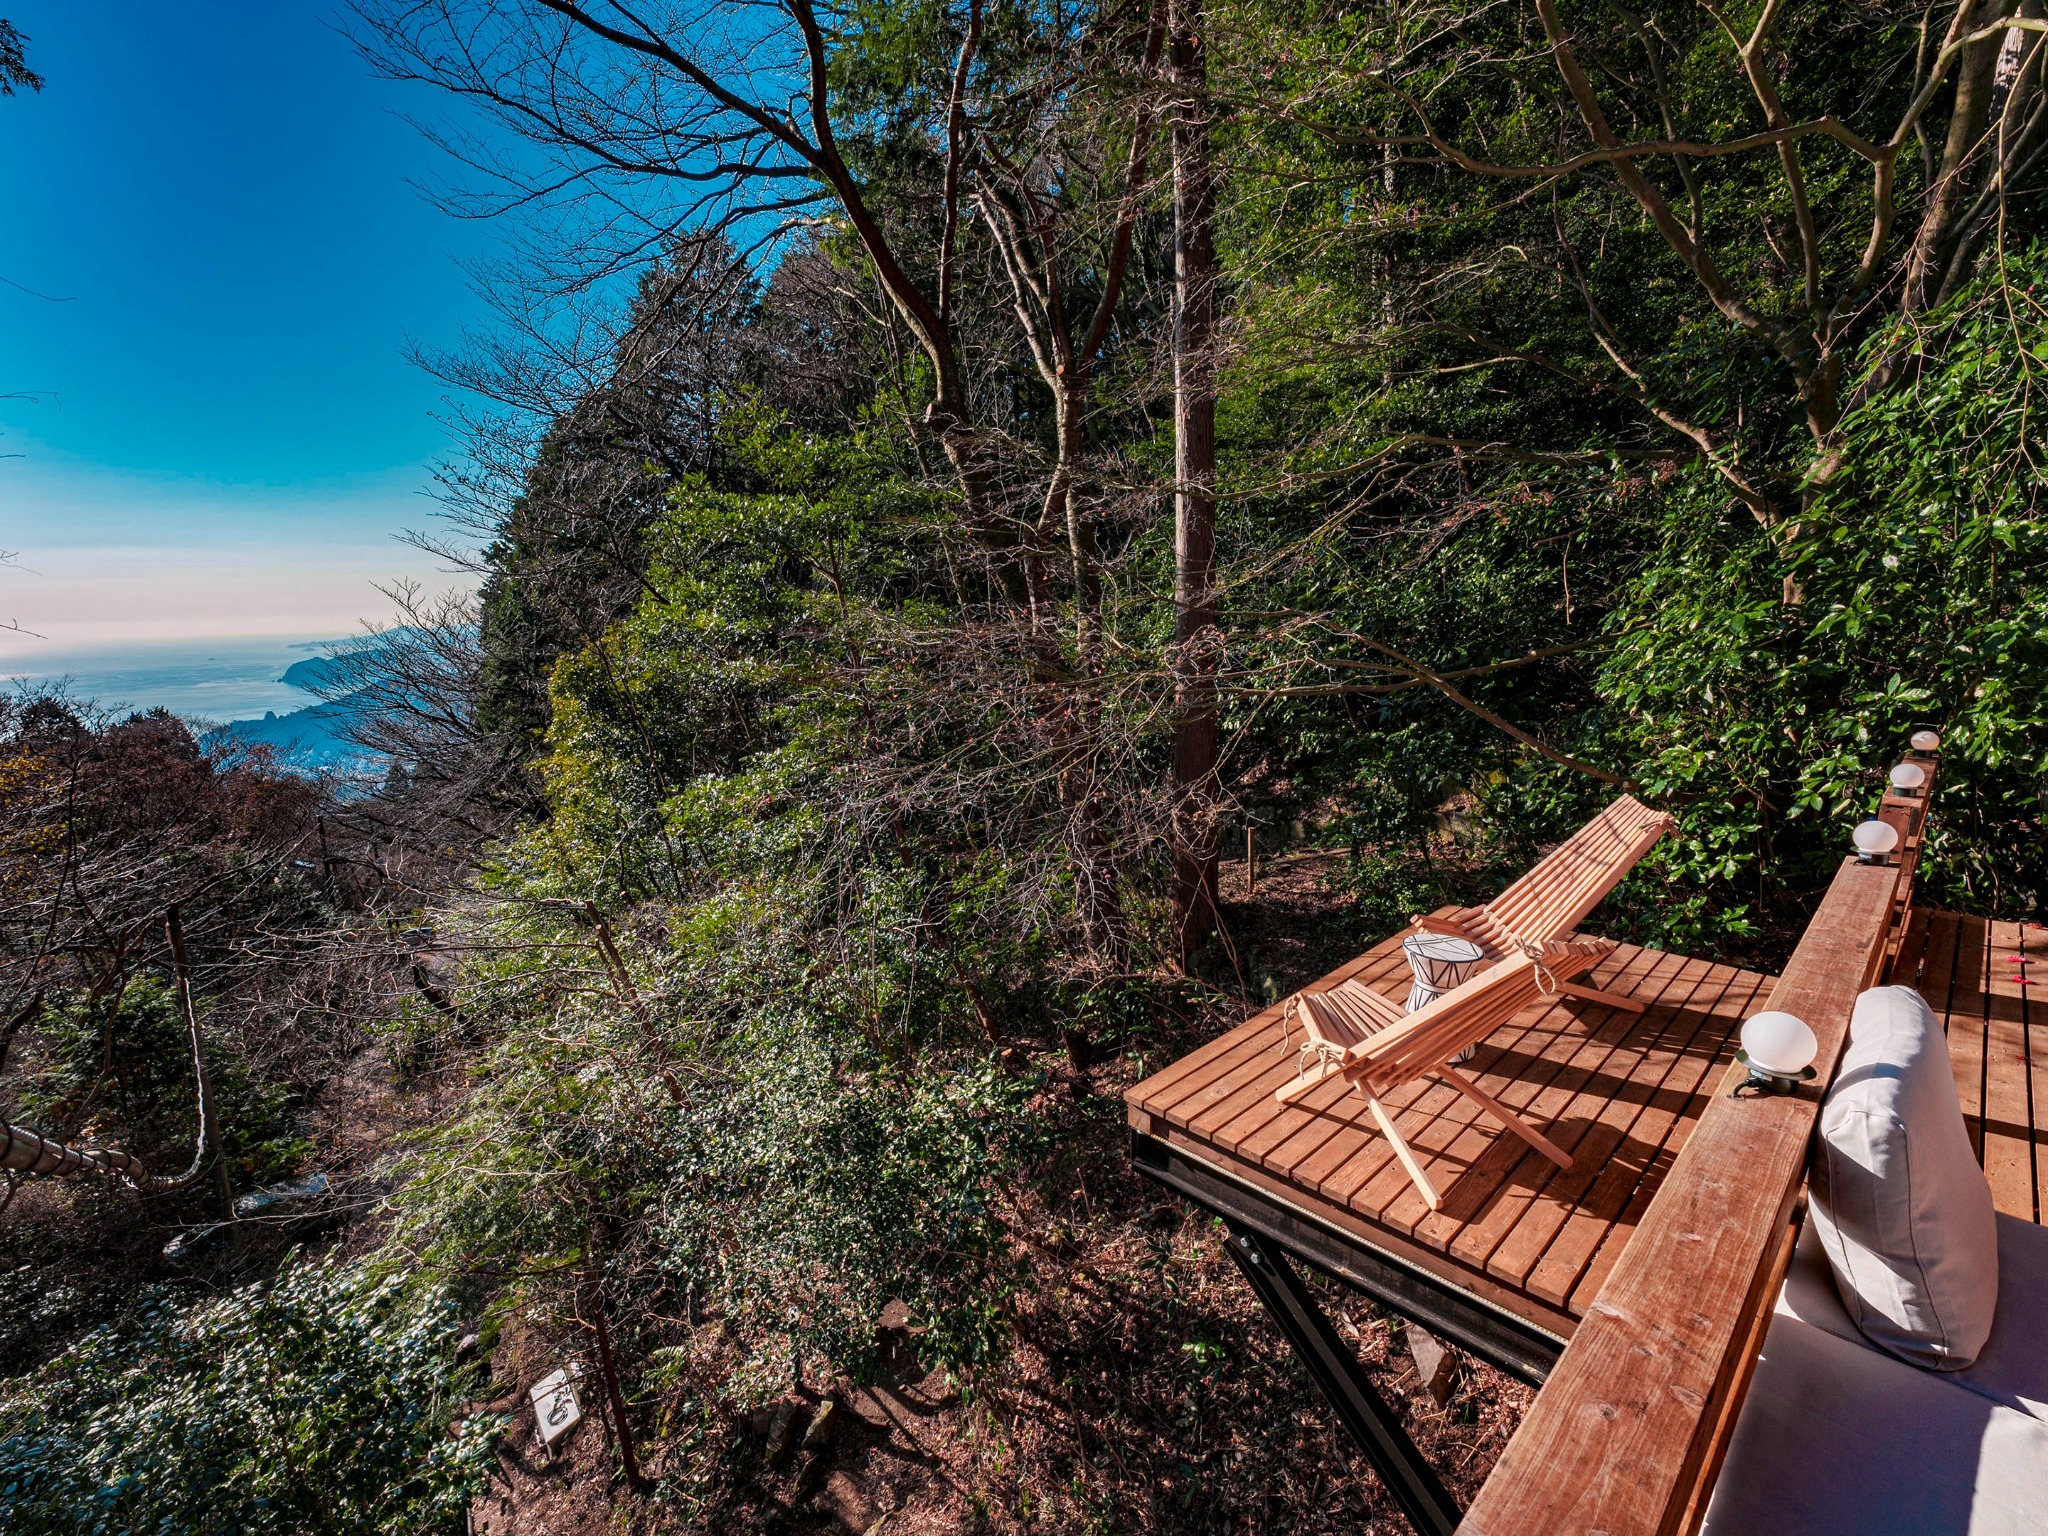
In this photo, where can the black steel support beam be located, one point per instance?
(1495, 1336)
(1373, 1424)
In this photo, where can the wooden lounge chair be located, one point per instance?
(1564, 885)
(1355, 1033)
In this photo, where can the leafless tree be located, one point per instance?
(1196, 635)
(670, 126)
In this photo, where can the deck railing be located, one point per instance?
(1627, 1435)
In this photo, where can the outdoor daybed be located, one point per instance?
(1927, 1410)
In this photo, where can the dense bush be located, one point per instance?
(1921, 579)
(319, 1402)
(124, 1064)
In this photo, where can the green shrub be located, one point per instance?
(124, 1064)
(1921, 578)
(318, 1402)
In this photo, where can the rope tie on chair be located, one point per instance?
(1545, 982)
(1320, 1052)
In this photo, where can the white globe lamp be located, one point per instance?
(1873, 840)
(1778, 1049)
(1908, 777)
(1927, 741)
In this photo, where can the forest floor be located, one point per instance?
(1147, 1392)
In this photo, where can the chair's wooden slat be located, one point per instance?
(1552, 1059)
(1378, 1055)
(1567, 883)
(1547, 1090)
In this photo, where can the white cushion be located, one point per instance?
(1839, 1439)
(2012, 1368)
(1899, 1203)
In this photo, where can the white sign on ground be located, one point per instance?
(555, 1408)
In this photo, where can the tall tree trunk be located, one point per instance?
(1194, 503)
(1079, 723)
(1963, 163)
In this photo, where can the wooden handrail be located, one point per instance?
(1627, 1434)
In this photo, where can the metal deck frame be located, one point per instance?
(1266, 1232)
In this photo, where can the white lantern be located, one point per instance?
(1874, 839)
(1778, 1049)
(1908, 777)
(1927, 741)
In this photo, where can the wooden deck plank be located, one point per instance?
(1597, 1190)
(1966, 1026)
(1510, 1240)
(2030, 944)
(1938, 968)
(2033, 949)
(1508, 1202)
(1539, 1211)
(1612, 1197)
(1340, 1165)
(2006, 975)
(1553, 1320)
(1239, 1117)
(1252, 1108)
(2008, 1125)
(1971, 972)
(1174, 1084)
(1537, 1085)
(1432, 1115)
(1672, 1136)
(1440, 1117)
(1624, 1433)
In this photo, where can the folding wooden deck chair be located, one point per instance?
(1559, 890)
(1355, 1033)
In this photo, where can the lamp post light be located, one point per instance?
(1778, 1049)
(1927, 741)
(1874, 840)
(1908, 777)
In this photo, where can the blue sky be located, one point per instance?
(226, 434)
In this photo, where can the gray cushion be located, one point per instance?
(1899, 1203)
(2011, 1370)
(1839, 1439)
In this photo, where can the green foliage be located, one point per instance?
(1390, 888)
(833, 1145)
(123, 1064)
(315, 1403)
(816, 1191)
(1921, 572)
(788, 1116)
(812, 1171)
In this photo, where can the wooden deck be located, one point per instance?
(1619, 1091)
(1981, 978)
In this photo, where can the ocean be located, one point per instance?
(213, 681)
